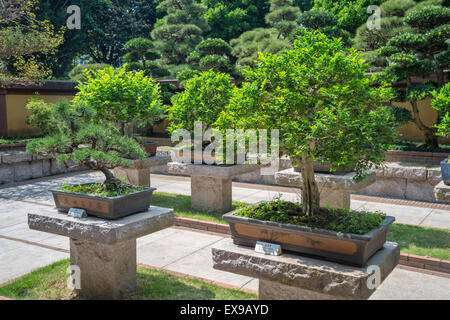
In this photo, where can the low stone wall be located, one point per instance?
(405, 181)
(18, 165)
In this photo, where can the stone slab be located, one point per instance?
(15, 156)
(157, 160)
(289, 177)
(214, 171)
(442, 192)
(100, 230)
(303, 272)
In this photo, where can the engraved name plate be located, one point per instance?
(271, 249)
(77, 213)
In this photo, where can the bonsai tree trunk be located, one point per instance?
(110, 179)
(310, 191)
(431, 140)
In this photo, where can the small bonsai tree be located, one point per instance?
(77, 140)
(204, 98)
(318, 96)
(441, 102)
(122, 97)
(422, 53)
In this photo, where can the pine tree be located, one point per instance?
(283, 16)
(177, 34)
(422, 53)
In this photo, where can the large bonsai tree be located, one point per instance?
(77, 140)
(122, 97)
(422, 53)
(318, 96)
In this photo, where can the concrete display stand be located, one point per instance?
(442, 192)
(138, 173)
(295, 277)
(211, 185)
(334, 189)
(104, 250)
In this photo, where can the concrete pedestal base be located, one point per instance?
(108, 271)
(442, 192)
(297, 277)
(103, 250)
(138, 173)
(335, 190)
(211, 185)
(210, 194)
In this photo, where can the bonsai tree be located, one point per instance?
(422, 53)
(78, 73)
(141, 55)
(77, 140)
(318, 96)
(441, 102)
(282, 16)
(122, 97)
(205, 96)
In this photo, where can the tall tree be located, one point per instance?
(423, 53)
(177, 34)
(22, 38)
(283, 16)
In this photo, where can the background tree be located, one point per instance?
(141, 55)
(283, 16)
(212, 54)
(422, 53)
(441, 102)
(79, 73)
(23, 38)
(325, 22)
(177, 34)
(228, 19)
(318, 96)
(106, 25)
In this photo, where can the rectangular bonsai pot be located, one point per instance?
(347, 248)
(110, 208)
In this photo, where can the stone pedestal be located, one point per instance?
(334, 189)
(296, 277)
(211, 185)
(442, 192)
(138, 173)
(104, 250)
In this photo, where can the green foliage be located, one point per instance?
(139, 56)
(396, 8)
(80, 140)
(283, 16)
(23, 38)
(337, 220)
(230, 18)
(177, 34)
(79, 72)
(212, 54)
(323, 21)
(421, 52)
(205, 96)
(441, 102)
(122, 96)
(318, 96)
(350, 13)
(98, 189)
(247, 46)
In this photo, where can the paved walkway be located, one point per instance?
(188, 252)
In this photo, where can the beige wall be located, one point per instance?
(17, 114)
(428, 115)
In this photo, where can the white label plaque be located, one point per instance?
(77, 213)
(268, 248)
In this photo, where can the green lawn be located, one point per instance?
(182, 206)
(434, 243)
(50, 283)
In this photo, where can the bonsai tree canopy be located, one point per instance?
(79, 140)
(318, 96)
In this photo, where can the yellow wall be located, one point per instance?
(428, 115)
(17, 114)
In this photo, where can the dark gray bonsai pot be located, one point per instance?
(110, 208)
(445, 171)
